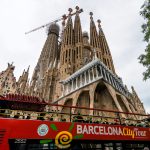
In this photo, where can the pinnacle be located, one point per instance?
(70, 10)
(99, 23)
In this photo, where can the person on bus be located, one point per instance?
(147, 124)
(105, 121)
(116, 121)
(28, 116)
(16, 116)
(78, 118)
(41, 116)
(140, 123)
(124, 121)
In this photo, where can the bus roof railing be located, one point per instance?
(96, 109)
(56, 113)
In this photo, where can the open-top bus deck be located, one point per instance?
(74, 128)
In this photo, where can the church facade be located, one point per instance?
(75, 68)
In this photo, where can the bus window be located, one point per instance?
(119, 146)
(30, 144)
(108, 146)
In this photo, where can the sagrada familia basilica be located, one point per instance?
(75, 68)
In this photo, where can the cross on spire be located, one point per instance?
(64, 18)
(91, 15)
(70, 10)
(77, 10)
(99, 23)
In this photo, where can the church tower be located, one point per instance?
(78, 39)
(67, 49)
(40, 82)
(50, 49)
(94, 40)
(106, 54)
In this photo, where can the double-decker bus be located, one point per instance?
(72, 129)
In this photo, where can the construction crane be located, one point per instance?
(64, 17)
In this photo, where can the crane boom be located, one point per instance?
(57, 20)
(43, 26)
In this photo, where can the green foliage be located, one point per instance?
(145, 58)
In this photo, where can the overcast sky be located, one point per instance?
(121, 23)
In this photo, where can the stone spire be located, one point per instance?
(94, 40)
(136, 101)
(68, 38)
(50, 49)
(8, 81)
(93, 33)
(78, 40)
(23, 82)
(48, 57)
(107, 58)
(20, 78)
(77, 27)
(67, 49)
(33, 82)
(63, 26)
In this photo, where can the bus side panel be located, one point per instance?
(4, 135)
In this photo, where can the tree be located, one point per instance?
(145, 58)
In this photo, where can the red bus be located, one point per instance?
(55, 129)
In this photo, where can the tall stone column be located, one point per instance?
(85, 80)
(89, 76)
(97, 74)
(81, 82)
(72, 88)
(93, 73)
(76, 83)
(67, 91)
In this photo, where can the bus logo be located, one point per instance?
(63, 139)
(42, 130)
